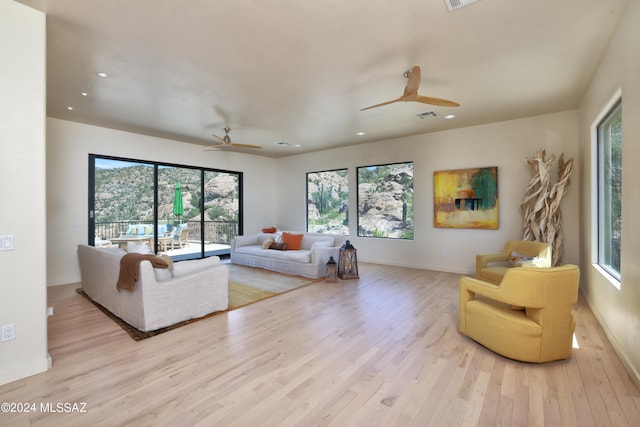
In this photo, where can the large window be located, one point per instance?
(328, 202)
(187, 212)
(385, 201)
(610, 191)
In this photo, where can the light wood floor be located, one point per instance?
(379, 351)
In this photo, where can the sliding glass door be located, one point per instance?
(183, 211)
(123, 198)
(221, 205)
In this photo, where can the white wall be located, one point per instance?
(68, 148)
(22, 190)
(617, 310)
(506, 145)
(275, 192)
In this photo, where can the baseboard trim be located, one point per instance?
(633, 374)
(420, 266)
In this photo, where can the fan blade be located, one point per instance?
(411, 93)
(380, 105)
(218, 137)
(233, 144)
(414, 82)
(436, 101)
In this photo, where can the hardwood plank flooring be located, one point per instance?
(382, 350)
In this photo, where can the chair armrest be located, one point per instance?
(469, 287)
(483, 259)
(509, 291)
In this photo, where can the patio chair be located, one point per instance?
(183, 238)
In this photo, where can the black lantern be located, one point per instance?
(348, 262)
(332, 271)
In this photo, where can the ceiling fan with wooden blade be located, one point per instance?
(225, 141)
(411, 93)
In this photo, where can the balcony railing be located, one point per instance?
(221, 232)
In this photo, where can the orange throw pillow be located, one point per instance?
(292, 240)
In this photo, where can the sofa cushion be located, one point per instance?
(262, 237)
(184, 268)
(297, 256)
(267, 244)
(292, 240)
(322, 244)
(309, 241)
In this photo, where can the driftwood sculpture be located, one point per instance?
(541, 204)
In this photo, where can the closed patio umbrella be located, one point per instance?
(178, 208)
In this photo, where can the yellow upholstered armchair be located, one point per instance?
(492, 267)
(526, 317)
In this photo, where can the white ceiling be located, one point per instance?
(300, 70)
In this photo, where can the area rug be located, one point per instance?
(247, 285)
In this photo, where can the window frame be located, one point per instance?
(409, 232)
(310, 196)
(603, 221)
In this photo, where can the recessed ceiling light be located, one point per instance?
(84, 94)
(69, 108)
(450, 116)
(297, 145)
(103, 75)
(360, 133)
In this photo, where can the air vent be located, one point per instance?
(427, 114)
(457, 4)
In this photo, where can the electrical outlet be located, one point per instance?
(6, 243)
(8, 333)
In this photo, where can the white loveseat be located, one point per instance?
(309, 261)
(160, 297)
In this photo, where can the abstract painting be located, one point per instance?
(466, 198)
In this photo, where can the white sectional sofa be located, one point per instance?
(160, 297)
(309, 261)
